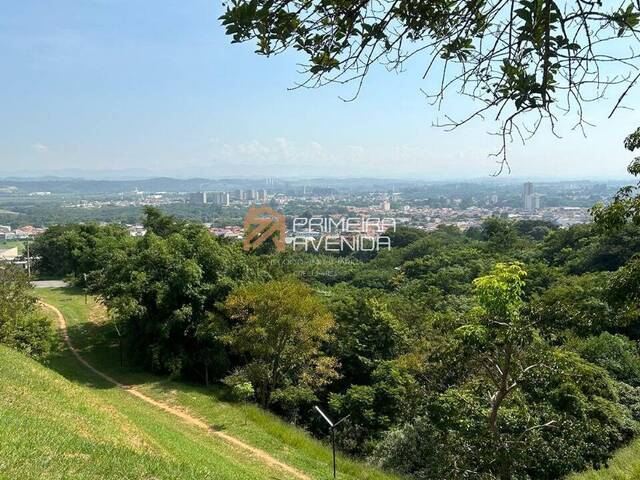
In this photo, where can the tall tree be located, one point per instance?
(164, 290)
(506, 332)
(279, 327)
(500, 338)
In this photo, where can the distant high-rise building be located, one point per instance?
(220, 198)
(528, 189)
(239, 194)
(528, 197)
(386, 205)
(199, 198)
(494, 199)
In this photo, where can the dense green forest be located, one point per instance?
(45, 213)
(507, 351)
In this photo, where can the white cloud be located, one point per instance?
(278, 151)
(40, 148)
(309, 157)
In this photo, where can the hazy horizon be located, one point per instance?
(141, 175)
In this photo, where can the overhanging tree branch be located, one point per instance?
(516, 57)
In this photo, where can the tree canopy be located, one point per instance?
(280, 326)
(508, 352)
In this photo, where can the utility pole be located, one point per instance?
(121, 346)
(333, 445)
(332, 427)
(28, 259)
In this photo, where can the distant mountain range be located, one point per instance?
(68, 185)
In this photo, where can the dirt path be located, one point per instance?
(256, 453)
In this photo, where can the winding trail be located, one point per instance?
(256, 453)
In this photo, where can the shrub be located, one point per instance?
(616, 353)
(22, 325)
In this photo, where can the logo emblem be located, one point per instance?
(261, 224)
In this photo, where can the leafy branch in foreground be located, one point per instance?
(625, 207)
(523, 62)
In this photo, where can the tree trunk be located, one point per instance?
(496, 403)
(502, 392)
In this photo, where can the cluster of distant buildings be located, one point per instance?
(224, 199)
(453, 212)
(227, 232)
(13, 254)
(22, 233)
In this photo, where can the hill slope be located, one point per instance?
(67, 422)
(53, 428)
(625, 465)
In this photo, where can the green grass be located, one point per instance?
(625, 465)
(56, 429)
(98, 344)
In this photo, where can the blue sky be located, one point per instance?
(147, 87)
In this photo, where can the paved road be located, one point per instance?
(49, 283)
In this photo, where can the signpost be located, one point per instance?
(332, 427)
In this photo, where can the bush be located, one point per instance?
(22, 325)
(616, 353)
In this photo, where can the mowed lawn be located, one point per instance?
(51, 428)
(94, 335)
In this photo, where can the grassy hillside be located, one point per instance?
(625, 465)
(185, 452)
(55, 429)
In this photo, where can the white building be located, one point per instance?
(528, 197)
